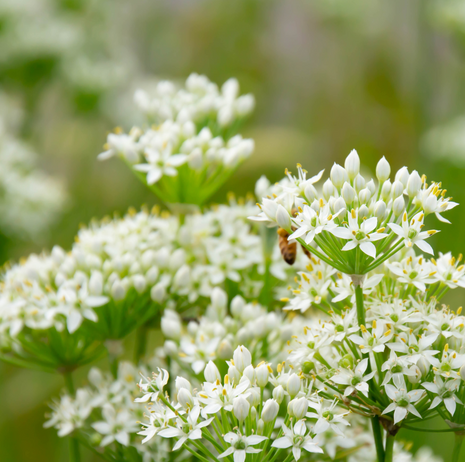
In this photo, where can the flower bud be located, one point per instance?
(182, 277)
(283, 219)
(413, 184)
(140, 284)
(211, 372)
(254, 397)
(352, 164)
(262, 374)
(363, 212)
(339, 207)
(293, 385)
(158, 292)
(386, 190)
(397, 189)
(278, 394)
(241, 408)
(249, 372)
(170, 348)
(402, 175)
(462, 372)
(383, 170)
(253, 413)
(371, 187)
(171, 325)
(380, 210)
(348, 193)
(234, 375)
(261, 187)
(416, 374)
(364, 196)
(308, 366)
(338, 175)
(398, 206)
(118, 292)
(359, 183)
(237, 305)
(329, 189)
(181, 382)
(260, 427)
(242, 358)
(96, 283)
(310, 193)
(219, 298)
(347, 361)
(185, 398)
(270, 411)
(225, 350)
(299, 408)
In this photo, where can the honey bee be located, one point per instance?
(289, 249)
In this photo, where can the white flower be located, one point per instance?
(241, 445)
(355, 380)
(413, 270)
(445, 392)
(152, 387)
(411, 233)
(116, 427)
(360, 234)
(190, 430)
(296, 438)
(402, 399)
(326, 418)
(217, 396)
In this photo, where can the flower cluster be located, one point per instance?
(184, 159)
(353, 224)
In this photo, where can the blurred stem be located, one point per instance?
(378, 436)
(141, 343)
(457, 447)
(360, 307)
(389, 456)
(74, 454)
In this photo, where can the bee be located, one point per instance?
(289, 249)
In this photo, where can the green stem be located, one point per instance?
(74, 454)
(389, 455)
(360, 307)
(457, 447)
(378, 436)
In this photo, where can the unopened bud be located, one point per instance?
(293, 385)
(383, 170)
(352, 164)
(398, 206)
(241, 408)
(278, 394)
(270, 411)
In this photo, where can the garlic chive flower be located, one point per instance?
(353, 223)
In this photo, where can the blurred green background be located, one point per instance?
(384, 77)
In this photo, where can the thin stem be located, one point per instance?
(378, 436)
(141, 343)
(457, 447)
(74, 454)
(360, 307)
(389, 455)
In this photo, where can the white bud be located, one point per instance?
(261, 187)
(462, 372)
(254, 396)
(226, 115)
(298, 408)
(152, 275)
(310, 193)
(416, 374)
(185, 398)
(242, 358)
(177, 259)
(237, 305)
(386, 190)
(329, 189)
(245, 104)
(278, 394)
(96, 283)
(170, 348)
(413, 184)
(397, 189)
(270, 411)
(338, 175)
(219, 298)
(338, 205)
(348, 193)
(253, 414)
(182, 277)
(371, 186)
(398, 206)
(225, 350)
(352, 164)
(293, 385)
(211, 372)
(158, 293)
(196, 159)
(260, 427)
(364, 196)
(359, 183)
(262, 374)
(181, 383)
(234, 375)
(402, 175)
(249, 372)
(363, 212)
(140, 284)
(383, 170)
(171, 325)
(118, 291)
(283, 219)
(380, 210)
